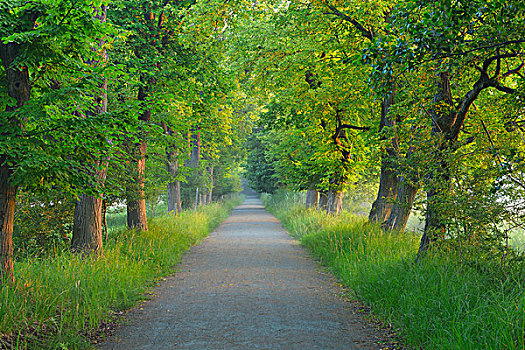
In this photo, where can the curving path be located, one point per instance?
(247, 286)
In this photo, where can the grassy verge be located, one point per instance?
(437, 304)
(60, 302)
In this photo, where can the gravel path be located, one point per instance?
(247, 286)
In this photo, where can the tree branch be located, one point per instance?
(513, 71)
(488, 61)
(365, 32)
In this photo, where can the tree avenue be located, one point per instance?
(133, 107)
(129, 101)
(405, 89)
(86, 86)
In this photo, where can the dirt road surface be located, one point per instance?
(248, 286)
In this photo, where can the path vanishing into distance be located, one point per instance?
(247, 286)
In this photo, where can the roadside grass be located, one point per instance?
(436, 304)
(61, 302)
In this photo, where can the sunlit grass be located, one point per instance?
(436, 304)
(58, 302)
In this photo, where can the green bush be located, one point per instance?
(43, 224)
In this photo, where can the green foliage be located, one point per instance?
(260, 165)
(48, 141)
(43, 224)
(437, 304)
(298, 63)
(66, 298)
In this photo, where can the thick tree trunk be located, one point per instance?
(172, 166)
(446, 125)
(435, 221)
(398, 218)
(195, 153)
(87, 225)
(387, 192)
(388, 181)
(323, 200)
(87, 221)
(136, 206)
(443, 122)
(174, 201)
(312, 198)
(105, 218)
(18, 88)
(7, 215)
(334, 204)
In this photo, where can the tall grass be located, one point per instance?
(59, 302)
(436, 304)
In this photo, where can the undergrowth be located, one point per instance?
(61, 302)
(436, 304)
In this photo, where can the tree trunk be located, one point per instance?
(7, 215)
(87, 221)
(210, 192)
(87, 225)
(195, 153)
(387, 193)
(439, 179)
(174, 201)
(323, 200)
(18, 88)
(105, 218)
(172, 166)
(196, 198)
(388, 181)
(312, 198)
(398, 218)
(334, 203)
(136, 206)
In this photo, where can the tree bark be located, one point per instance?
(323, 200)
(172, 166)
(87, 221)
(439, 179)
(386, 194)
(312, 198)
(136, 204)
(18, 88)
(334, 203)
(195, 153)
(104, 218)
(174, 201)
(398, 218)
(7, 215)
